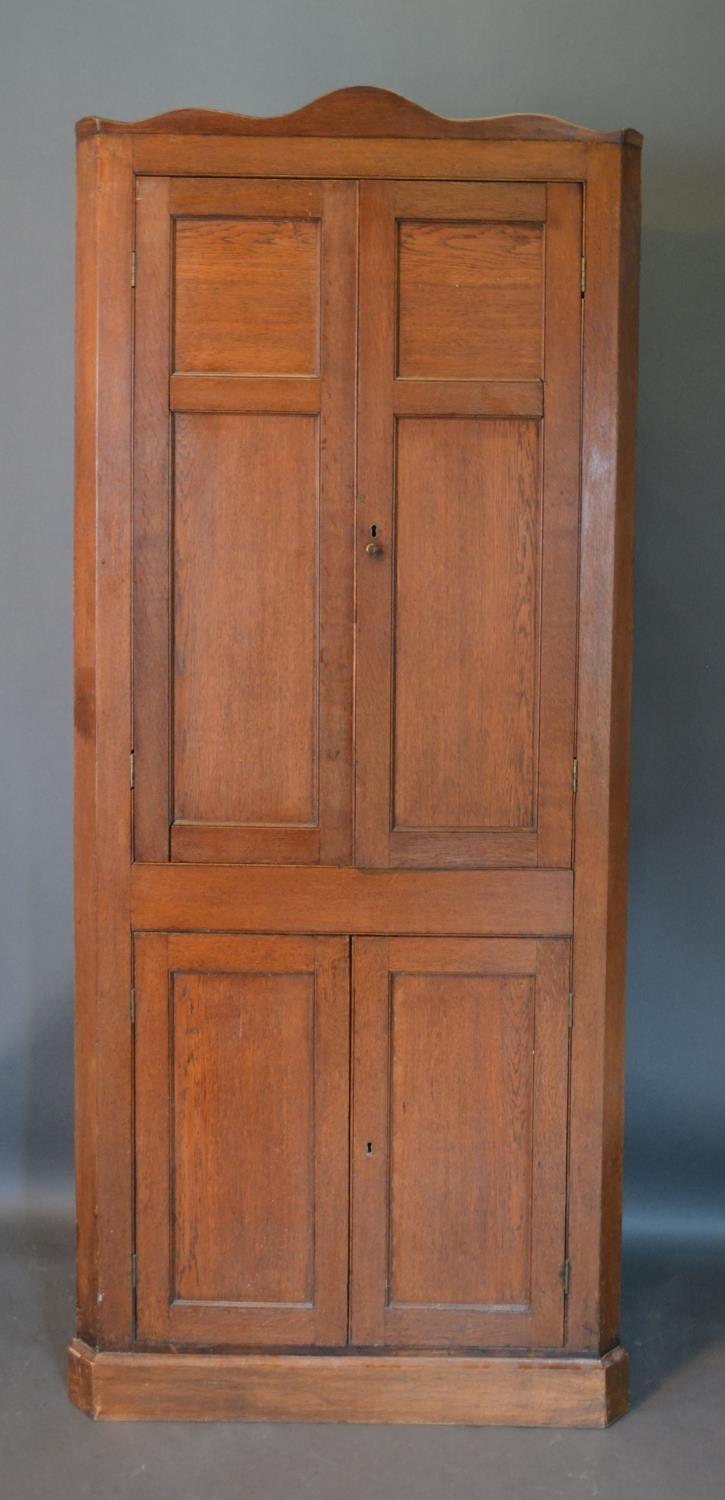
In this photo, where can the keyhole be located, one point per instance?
(373, 530)
(369, 1149)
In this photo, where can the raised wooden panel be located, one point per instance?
(245, 619)
(247, 296)
(467, 553)
(470, 301)
(467, 471)
(459, 1141)
(461, 1094)
(242, 1063)
(241, 1132)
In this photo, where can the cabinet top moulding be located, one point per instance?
(357, 112)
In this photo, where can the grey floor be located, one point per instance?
(672, 1444)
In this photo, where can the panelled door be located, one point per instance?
(242, 1057)
(244, 445)
(459, 1141)
(467, 530)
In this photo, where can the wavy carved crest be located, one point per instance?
(357, 111)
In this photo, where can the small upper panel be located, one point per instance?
(469, 300)
(359, 111)
(247, 296)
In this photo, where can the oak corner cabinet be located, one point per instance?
(355, 430)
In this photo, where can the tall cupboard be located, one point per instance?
(355, 410)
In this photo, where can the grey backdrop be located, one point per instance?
(654, 64)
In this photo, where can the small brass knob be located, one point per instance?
(373, 547)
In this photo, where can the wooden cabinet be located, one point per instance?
(353, 564)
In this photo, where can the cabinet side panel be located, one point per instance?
(612, 240)
(103, 832)
(84, 646)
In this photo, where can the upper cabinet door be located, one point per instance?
(243, 531)
(467, 523)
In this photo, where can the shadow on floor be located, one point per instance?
(673, 1307)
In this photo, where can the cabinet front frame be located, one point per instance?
(107, 166)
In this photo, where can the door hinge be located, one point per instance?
(132, 1007)
(570, 1010)
(133, 1270)
(133, 268)
(132, 770)
(565, 1274)
(583, 275)
(575, 776)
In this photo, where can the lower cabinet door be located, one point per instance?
(460, 1066)
(242, 1088)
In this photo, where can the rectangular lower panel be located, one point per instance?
(241, 1089)
(460, 1078)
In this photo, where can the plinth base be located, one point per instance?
(472, 1390)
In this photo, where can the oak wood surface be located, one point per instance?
(246, 295)
(539, 1391)
(465, 711)
(603, 707)
(241, 1139)
(458, 1142)
(244, 504)
(103, 741)
(228, 897)
(357, 110)
(251, 265)
(391, 158)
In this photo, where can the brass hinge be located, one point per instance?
(565, 1274)
(133, 1007)
(575, 777)
(133, 268)
(132, 770)
(570, 1009)
(133, 1270)
(583, 275)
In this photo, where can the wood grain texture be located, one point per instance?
(458, 1142)
(604, 686)
(247, 295)
(103, 741)
(468, 398)
(469, 299)
(152, 521)
(245, 393)
(358, 111)
(472, 365)
(260, 532)
(478, 1391)
(245, 661)
(475, 586)
(466, 648)
(561, 491)
(391, 158)
(252, 899)
(241, 1139)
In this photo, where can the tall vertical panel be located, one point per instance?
(243, 1062)
(245, 619)
(465, 651)
(462, 1093)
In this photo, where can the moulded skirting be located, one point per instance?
(478, 1391)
